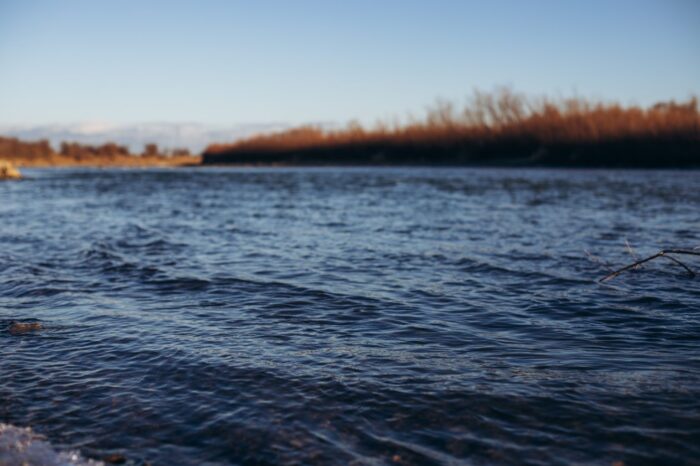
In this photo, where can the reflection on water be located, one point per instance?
(351, 316)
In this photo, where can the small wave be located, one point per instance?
(338, 316)
(22, 446)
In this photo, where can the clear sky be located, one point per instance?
(295, 61)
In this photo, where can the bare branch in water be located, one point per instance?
(687, 269)
(597, 260)
(665, 253)
(630, 250)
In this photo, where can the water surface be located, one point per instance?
(352, 316)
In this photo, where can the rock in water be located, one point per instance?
(24, 327)
(8, 171)
(114, 459)
(20, 446)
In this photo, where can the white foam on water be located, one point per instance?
(21, 446)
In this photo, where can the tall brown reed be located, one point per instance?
(502, 116)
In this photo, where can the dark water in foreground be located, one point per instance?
(352, 316)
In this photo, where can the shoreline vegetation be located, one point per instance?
(497, 129)
(502, 128)
(70, 154)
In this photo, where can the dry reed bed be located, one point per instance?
(490, 126)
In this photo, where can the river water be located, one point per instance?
(351, 315)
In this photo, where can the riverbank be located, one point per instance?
(98, 162)
(501, 129)
(41, 154)
(611, 154)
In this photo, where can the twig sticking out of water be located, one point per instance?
(631, 251)
(664, 253)
(597, 260)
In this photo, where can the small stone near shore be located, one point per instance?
(9, 171)
(17, 328)
(115, 458)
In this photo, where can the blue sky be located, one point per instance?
(232, 62)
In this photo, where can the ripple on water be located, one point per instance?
(348, 316)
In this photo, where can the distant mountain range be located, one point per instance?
(192, 136)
